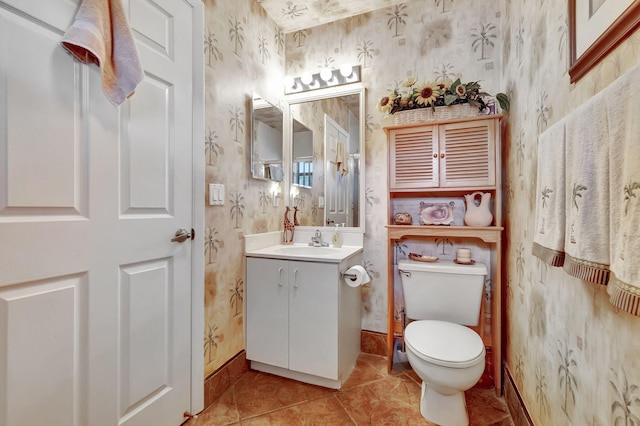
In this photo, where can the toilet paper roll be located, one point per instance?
(356, 276)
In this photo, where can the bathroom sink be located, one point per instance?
(308, 250)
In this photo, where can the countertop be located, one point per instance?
(305, 252)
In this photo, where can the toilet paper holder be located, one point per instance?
(355, 276)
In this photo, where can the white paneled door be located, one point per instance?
(337, 195)
(95, 298)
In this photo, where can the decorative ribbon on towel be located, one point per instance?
(100, 34)
(586, 238)
(623, 113)
(548, 242)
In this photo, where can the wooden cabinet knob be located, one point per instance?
(442, 155)
(435, 155)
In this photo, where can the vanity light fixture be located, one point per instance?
(346, 74)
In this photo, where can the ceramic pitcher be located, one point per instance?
(478, 214)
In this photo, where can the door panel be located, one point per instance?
(42, 179)
(153, 26)
(313, 306)
(145, 353)
(413, 158)
(268, 311)
(146, 149)
(56, 18)
(42, 331)
(469, 154)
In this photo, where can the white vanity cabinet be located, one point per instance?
(303, 321)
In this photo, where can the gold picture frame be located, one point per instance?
(596, 27)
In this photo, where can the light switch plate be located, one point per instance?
(216, 194)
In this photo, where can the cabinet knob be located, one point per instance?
(435, 155)
(442, 155)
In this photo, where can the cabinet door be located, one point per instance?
(467, 153)
(313, 313)
(268, 311)
(413, 158)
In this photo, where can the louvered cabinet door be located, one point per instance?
(467, 154)
(413, 158)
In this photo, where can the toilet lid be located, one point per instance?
(444, 343)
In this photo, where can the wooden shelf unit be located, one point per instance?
(422, 173)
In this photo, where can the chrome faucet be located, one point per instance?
(316, 240)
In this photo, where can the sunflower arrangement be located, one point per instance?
(431, 94)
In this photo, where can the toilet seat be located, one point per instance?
(444, 343)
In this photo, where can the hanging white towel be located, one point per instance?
(587, 193)
(341, 159)
(623, 113)
(100, 34)
(548, 241)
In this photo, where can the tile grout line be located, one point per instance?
(336, 392)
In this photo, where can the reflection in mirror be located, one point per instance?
(302, 170)
(334, 120)
(266, 139)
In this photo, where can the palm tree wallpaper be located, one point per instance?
(570, 355)
(240, 58)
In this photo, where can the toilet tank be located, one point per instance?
(442, 290)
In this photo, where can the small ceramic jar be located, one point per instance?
(402, 219)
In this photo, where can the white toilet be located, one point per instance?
(440, 299)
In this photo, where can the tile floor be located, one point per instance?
(369, 397)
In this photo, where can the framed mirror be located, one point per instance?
(267, 138)
(334, 118)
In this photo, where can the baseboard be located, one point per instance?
(372, 342)
(223, 378)
(518, 410)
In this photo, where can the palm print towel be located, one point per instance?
(624, 130)
(586, 241)
(548, 241)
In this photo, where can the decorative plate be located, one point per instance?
(464, 263)
(436, 213)
(421, 258)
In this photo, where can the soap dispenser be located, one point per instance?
(337, 237)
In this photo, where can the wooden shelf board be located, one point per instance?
(489, 234)
(451, 120)
(421, 192)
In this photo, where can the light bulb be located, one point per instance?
(289, 82)
(306, 78)
(345, 70)
(326, 74)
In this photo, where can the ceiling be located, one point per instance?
(294, 15)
